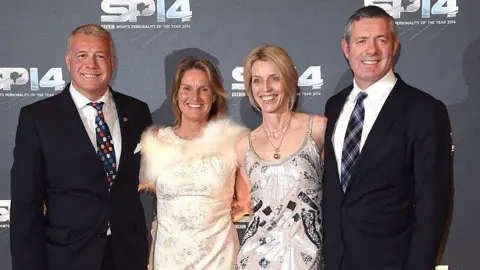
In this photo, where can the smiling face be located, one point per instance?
(195, 96)
(268, 88)
(371, 50)
(91, 63)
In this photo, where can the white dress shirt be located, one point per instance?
(88, 114)
(373, 103)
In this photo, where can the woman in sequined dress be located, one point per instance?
(281, 163)
(191, 168)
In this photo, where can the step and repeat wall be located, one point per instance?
(439, 53)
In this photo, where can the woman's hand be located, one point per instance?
(238, 211)
(141, 187)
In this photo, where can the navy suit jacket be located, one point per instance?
(56, 164)
(394, 211)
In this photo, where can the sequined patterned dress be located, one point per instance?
(194, 186)
(285, 232)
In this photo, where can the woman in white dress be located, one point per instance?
(191, 168)
(281, 161)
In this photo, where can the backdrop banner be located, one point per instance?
(439, 54)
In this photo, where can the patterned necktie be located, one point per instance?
(353, 136)
(105, 149)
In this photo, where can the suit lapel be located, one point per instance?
(124, 119)
(334, 113)
(383, 124)
(73, 125)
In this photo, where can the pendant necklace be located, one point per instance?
(277, 149)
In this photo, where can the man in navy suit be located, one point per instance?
(387, 159)
(74, 153)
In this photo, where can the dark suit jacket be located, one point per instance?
(55, 163)
(394, 211)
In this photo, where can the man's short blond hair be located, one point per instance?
(92, 30)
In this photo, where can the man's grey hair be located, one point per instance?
(92, 30)
(369, 12)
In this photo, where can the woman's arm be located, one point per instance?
(319, 126)
(153, 231)
(241, 201)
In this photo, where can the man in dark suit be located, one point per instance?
(387, 159)
(74, 153)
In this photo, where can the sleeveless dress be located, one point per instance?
(285, 231)
(194, 186)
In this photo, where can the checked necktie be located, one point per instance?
(351, 144)
(105, 149)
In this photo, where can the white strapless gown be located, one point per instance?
(194, 191)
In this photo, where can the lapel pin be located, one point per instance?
(125, 119)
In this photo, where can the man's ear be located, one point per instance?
(114, 62)
(67, 60)
(345, 48)
(396, 44)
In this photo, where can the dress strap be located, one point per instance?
(310, 121)
(249, 141)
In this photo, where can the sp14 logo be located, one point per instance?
(4, 210)
(130, 10)
(20, 76)
(311, 77)
(436, 7)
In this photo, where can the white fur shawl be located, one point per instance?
(160, 151)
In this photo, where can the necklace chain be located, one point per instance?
(277, 149)
(280, 129)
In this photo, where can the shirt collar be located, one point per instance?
(377, 90)
(81, 101)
